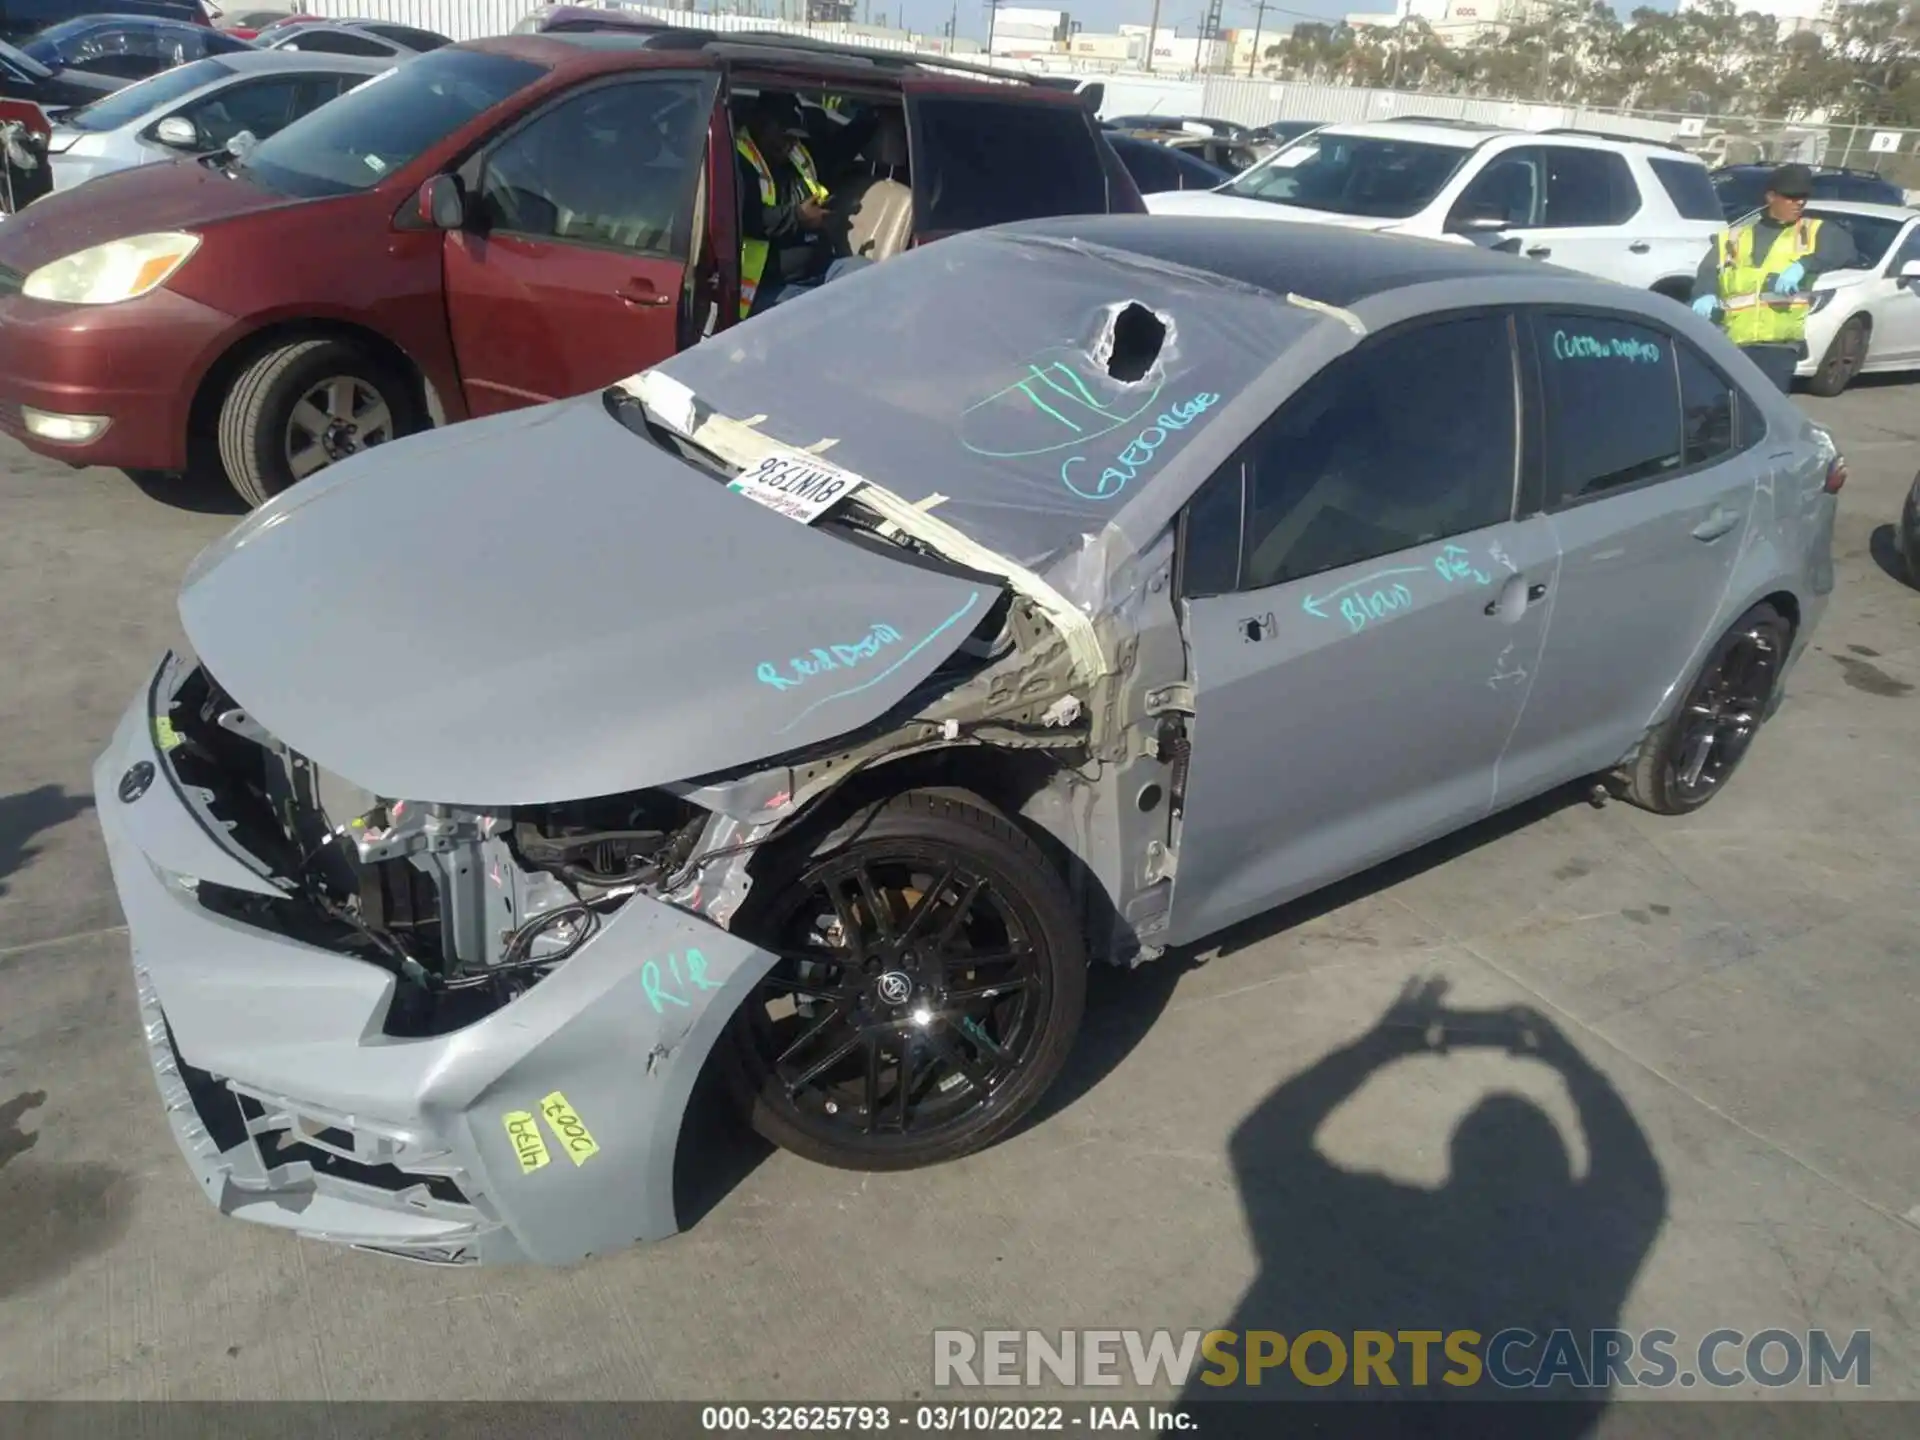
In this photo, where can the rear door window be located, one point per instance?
(339, 42)
(979, 161)
(1588, 187)
(1612, 398)
(1707, 404)
(1688, 187)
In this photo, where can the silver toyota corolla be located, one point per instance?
(198, 109)
(818, 704)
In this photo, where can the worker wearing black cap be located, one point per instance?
(785, 213)
(1758, 275)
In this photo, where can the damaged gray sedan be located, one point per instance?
(819, 704)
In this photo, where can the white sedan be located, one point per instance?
(1865, 319)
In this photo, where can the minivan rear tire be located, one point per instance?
(258, 414)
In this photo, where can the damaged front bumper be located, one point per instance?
(543, 1132)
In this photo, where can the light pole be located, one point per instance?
(1153, 31)
(1259, 14)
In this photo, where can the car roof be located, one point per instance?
(1331, 264)
(592, 52)
(1471, 134)
(94, 19)
(247, 62)
(1863, 207)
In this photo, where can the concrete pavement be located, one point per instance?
(1727, 1138)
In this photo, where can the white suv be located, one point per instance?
(1626, 210)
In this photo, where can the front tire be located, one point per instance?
(1844, 357)
(931, 982)
(304, 406)
(1690, 756)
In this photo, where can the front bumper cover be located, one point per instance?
(544, 1132)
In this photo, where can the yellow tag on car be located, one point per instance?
(566, 1123)
(164, 735)
(529, 1147)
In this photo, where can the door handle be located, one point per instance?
(1718, 522)
(1539, 252)
(1639, 247)
(641, 292)
(1535, 592)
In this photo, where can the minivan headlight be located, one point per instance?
(107, 274)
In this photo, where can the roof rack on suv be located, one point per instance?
(1618, 135)
(772, 42)
(1452, 122)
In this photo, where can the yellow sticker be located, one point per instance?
(528, 1146)
(574, 1138)
(164, 735)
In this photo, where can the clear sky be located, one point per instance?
(1103, 16)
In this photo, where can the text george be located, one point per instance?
(1128, 464)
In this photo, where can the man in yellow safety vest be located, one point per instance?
(1757, 276)
(785, 213)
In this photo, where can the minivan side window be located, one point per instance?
(1406, 440)
(964, 169)
(614, 166)
(1612, 398)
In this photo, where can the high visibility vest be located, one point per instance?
(753, 253)
(1754, 314)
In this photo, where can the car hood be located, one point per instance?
(544, 606)
(1215, 202)
(1841, 279)
(178, 195)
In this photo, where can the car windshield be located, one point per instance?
(1873, 235)
(123, 107)
(19, 60)
(358, 140)
(47, 46)
(1352, 175)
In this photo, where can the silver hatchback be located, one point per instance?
(198, 109)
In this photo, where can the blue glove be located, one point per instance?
(1705, 306)
(1788, 280)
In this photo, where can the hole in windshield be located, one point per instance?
(1132, 342)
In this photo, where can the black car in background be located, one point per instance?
(1742, 188)
(1156, 167)
(23, 78)
(127, 45)
(21, 18)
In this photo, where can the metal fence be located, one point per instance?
(1888, 151)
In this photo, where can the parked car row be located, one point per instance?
(1632, 211)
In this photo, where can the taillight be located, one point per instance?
(1836, 475)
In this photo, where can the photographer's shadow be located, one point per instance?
(1512, 1239)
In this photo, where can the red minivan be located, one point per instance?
(491, 225)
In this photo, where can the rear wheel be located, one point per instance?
(1689, 758)
(1844, 357)
(304, 406)
(930, 983)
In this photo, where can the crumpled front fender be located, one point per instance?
(545, 1131)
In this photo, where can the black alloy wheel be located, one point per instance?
(929, 983)
(1690, 757)
(1844, 357)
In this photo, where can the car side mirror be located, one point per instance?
(442, 203)
(178, 133)
(1910, 270)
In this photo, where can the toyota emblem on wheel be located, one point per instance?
(895, 987)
